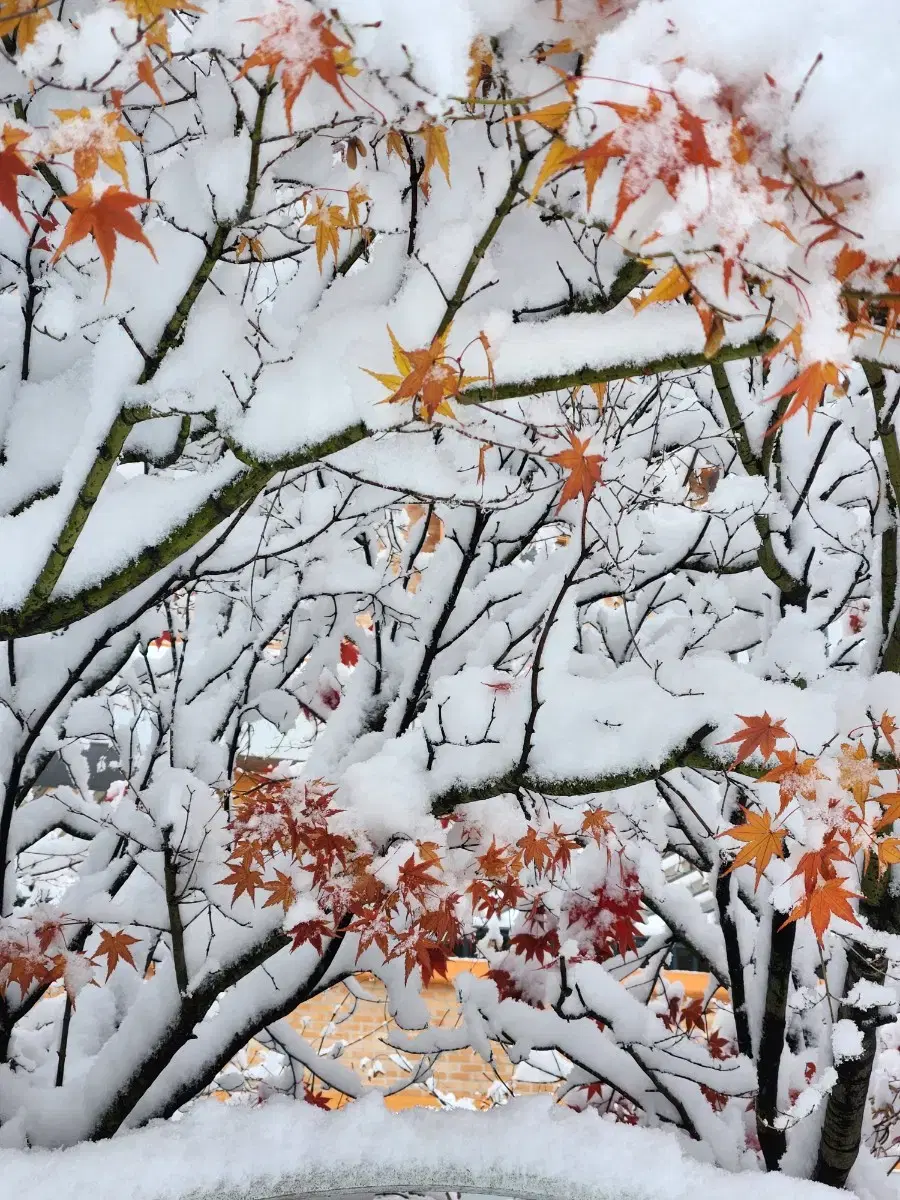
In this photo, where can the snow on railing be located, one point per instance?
(287, 1150)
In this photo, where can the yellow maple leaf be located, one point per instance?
(396, 144)
(481, 64)
(673, 284)
(253, 244)
(356, 196)
(557, 158)
(328, 220)
(151, 16)
(856, 772)
(23, 18)
(436, 152)
(888, 852)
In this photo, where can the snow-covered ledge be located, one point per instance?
(287, 1150)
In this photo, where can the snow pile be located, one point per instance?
(285, 1148)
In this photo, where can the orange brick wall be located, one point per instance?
(462, 1072)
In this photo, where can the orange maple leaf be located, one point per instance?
(281, 891)
(793, 776)
(584, 469)
(657, 141)
(115, 947)
(147, 75)
(300, 42)
(830, 899)
(535, 850)
(596, 822)
(888, 727)
(429, 374)
(807, 388)
(494, 863)
(761, 733)
(856, 772)
(762, 842)
(12, 165)
(820, 863)
(243, 878)
(103, 217)
(847, 262)
(891, 801)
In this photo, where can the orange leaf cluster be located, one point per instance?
(662, 131)
(429, 375)
(851, 830)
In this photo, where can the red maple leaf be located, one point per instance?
(536, 945)
(12, 165)
(413, 877)
(313, 931)
(317, 1099)
(349, 652)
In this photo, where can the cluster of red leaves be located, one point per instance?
(34, 953)
(605, 921)
(282, 821)
(286, 840)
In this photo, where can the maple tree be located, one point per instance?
(583, 618)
